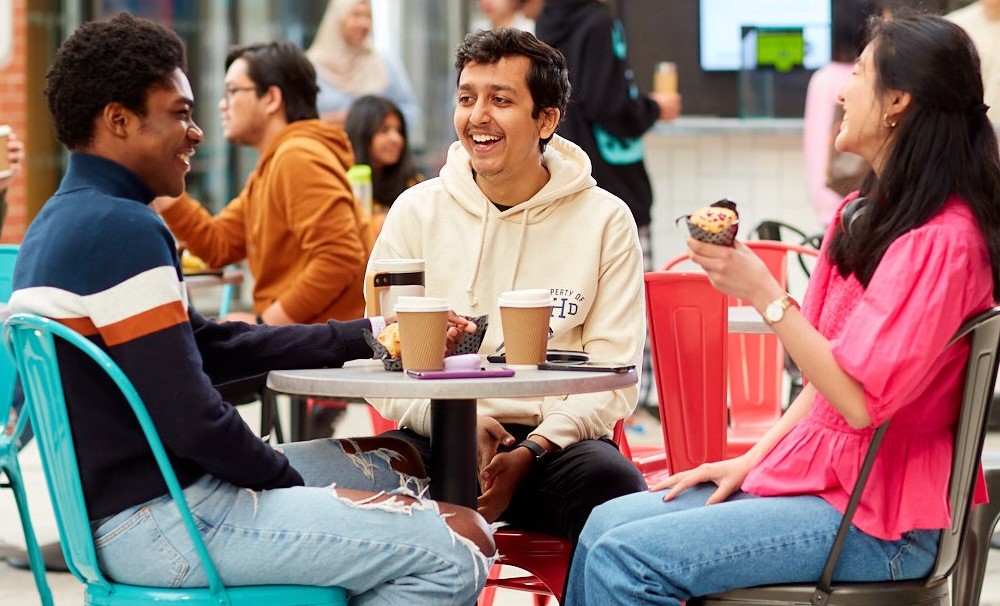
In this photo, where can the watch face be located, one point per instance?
(774, 312)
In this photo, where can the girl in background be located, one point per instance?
(377, 130)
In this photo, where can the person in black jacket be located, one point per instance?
(607, 115)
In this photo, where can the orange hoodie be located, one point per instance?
(296, 222)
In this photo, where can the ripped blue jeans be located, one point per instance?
(382, 554)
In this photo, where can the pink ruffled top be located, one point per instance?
(891, 337)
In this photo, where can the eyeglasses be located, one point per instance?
(231, 92)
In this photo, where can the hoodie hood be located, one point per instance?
(332, 137)
(569, 174)
(562, 19)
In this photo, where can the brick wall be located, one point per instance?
(13, 111)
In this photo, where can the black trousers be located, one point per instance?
(563, 487)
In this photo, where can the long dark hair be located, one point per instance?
(362, 122)
(942, 145)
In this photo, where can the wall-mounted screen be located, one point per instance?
(723, 24)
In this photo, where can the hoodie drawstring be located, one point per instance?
(469, 294)
(520, 247)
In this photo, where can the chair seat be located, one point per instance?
(255, 595)
(902, 593)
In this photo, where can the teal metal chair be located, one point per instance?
(9, 467)
(31, 340)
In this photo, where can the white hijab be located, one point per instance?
(357, 70)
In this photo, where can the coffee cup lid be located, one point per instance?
(398, 265)
(531, 297)
(406, 304)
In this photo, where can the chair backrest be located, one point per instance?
(970, 434)
(756, 362)
(30, 339)
(688, 324)
(8, 255)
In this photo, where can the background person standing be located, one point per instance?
(607, 114)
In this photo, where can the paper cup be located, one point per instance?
(423, 322)
(525, 316)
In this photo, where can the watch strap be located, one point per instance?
(537, 449)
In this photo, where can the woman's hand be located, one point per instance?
(728, 475)
(736, 271)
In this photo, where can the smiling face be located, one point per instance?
(494, 123)
(387, 142)
(161, 143)
(357, 24)
(863, 130)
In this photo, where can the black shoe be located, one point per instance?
(52, 555)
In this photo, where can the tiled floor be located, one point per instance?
(17, 587)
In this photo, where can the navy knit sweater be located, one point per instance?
(99, 260)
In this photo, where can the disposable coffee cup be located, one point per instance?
(525, 317)
(390, 279)
(665, 78)
(5, 170)
(423, 322)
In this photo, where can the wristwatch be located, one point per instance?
(536, 449)
(774, 311)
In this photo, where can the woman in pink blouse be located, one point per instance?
(900, 269)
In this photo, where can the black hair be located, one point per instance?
(548, 78)
(941, 146)
(848, 27)
(117, 60)
(282, 64)
(362, 123)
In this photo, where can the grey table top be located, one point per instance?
(746, 320)
(228, 276)
(367, 378)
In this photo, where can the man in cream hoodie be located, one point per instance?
(515, 207)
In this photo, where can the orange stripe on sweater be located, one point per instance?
(145, 323)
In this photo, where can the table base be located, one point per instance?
(454, 473)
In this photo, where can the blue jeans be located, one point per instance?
(639, 550)
(382, 554)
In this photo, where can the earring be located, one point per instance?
(885, 121)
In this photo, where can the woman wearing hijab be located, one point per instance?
(348, 66)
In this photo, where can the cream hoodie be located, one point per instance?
(572, 238)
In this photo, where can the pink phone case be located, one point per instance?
(460, 374)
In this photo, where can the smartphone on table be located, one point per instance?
(588, 366)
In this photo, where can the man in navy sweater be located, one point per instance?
(98, 259)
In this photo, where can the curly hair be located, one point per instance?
(117, 60)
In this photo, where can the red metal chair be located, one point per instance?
(755, 362)
(544, 557)
(688, 325)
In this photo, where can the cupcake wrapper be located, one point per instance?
(726, 237)
(470, 344)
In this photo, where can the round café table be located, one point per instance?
(453, 407)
